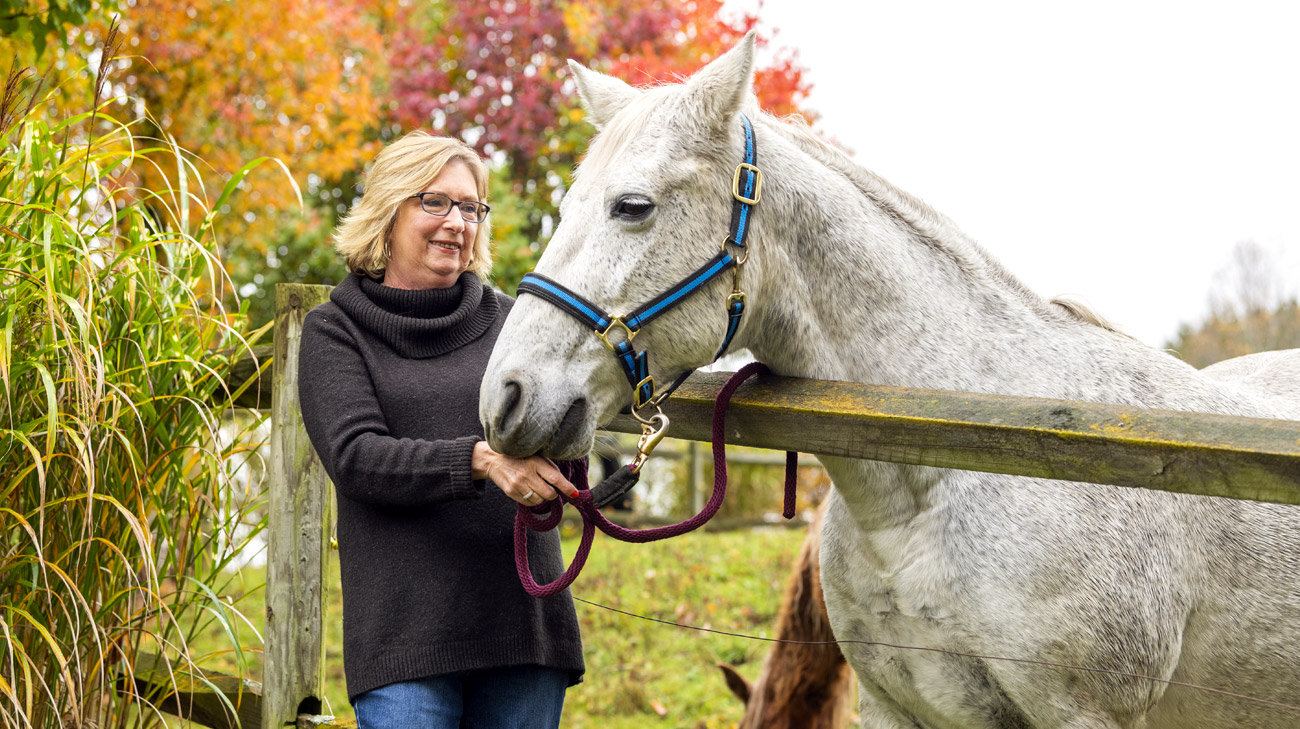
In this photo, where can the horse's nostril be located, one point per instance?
(514, 395)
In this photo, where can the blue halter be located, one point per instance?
(746, 188)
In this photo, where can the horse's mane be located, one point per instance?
(928, 224)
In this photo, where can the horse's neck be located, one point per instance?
(859, 282)
(850, 284)
(896, 311)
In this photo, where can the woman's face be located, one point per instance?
(431, 251)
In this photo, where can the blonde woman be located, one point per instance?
(437, 630)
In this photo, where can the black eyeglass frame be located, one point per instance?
(454, 204)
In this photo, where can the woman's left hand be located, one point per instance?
(528, 481)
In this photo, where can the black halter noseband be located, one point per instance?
(746, 188)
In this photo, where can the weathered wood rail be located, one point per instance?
(1166, 450)
(1191, 453)
(215, 701)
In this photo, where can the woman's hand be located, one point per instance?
(528, 481)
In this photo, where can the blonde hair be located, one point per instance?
(403, 168)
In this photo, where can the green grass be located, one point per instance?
(728, 581)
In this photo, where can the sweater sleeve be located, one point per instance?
(347, 427)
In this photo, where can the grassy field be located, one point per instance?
(641, 673)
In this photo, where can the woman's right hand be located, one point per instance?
(529, 481)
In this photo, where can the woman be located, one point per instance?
(437, 630)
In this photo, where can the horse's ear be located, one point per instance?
(736, 682)
(602, 96)
(719, 89)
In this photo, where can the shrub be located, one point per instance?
(125, 496)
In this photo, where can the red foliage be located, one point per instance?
(498, 79)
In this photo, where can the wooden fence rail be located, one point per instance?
(214, 701)
(1192, 453)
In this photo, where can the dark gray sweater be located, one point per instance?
(389, 382)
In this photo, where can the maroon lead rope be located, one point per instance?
(576, 471)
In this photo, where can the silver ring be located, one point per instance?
(529, 496)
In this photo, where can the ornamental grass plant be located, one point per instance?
(125, 488)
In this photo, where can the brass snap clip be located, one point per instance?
(651, 433)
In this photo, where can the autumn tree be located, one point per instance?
(1250, 311)
(322, 86)
(29, 26)
(295, 81)
(493, 72)
(237, 81)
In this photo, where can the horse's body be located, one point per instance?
(850, 279)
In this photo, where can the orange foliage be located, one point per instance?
(233, 81)
(674, 44)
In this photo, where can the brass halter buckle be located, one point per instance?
(637, 402)
(652, 432)
(758, 184)
(613, 322)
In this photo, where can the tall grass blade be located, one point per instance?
(125, 473)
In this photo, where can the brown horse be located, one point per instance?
(807, 686)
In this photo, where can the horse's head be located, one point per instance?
(651, 204)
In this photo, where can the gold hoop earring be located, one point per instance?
(388, 252)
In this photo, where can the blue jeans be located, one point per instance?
(514, 697)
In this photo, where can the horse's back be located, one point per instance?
(1272, 375)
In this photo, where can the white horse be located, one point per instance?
(852, 279)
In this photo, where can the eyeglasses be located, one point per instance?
(436, 203)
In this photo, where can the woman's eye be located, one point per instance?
(633, 207)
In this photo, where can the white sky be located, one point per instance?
(1115, 151)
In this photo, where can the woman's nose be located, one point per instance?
(453, 220)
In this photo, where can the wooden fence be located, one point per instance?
(1215, 455)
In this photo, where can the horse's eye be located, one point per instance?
(633, 208)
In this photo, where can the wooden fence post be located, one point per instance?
(299, 520)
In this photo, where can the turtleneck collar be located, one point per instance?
(419, 324)
(413, 303)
